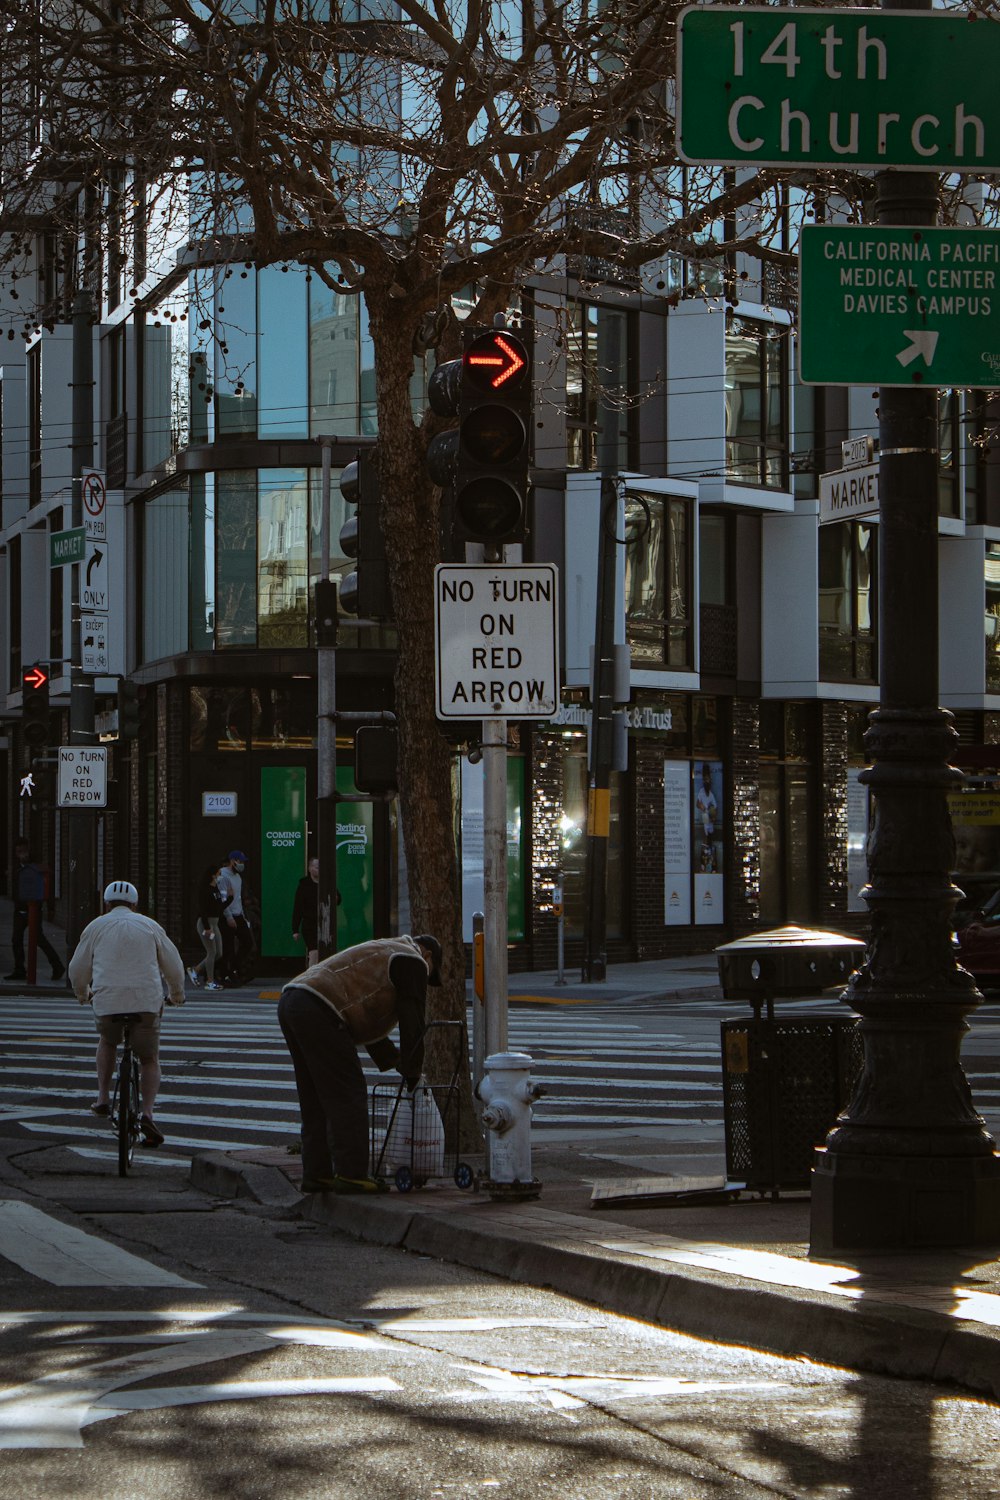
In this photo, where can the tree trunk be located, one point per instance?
(410, 516)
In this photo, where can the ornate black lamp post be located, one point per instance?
(910, 1164)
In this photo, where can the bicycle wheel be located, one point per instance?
(127, 1122)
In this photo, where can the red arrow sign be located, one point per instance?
(501, 355)
(36, 678)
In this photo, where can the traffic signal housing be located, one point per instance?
(483, 464)
(128, 709)
(365, 591)
(35, 704)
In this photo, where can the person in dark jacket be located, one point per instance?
(305, 911)
(29, 885)
(354, 998)
(211, 904)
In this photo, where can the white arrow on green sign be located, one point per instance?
(887, 306)
(67, 547)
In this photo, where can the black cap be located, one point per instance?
(434, 949)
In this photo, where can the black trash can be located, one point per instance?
(785, 1077)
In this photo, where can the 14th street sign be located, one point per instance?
(895, 306)
(858, 88)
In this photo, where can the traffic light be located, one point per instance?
(128, 709)
(326, 612)
(376, 750)
(485, 462)
(35, 703)
(364, 592)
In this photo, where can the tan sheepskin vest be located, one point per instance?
(356, 984)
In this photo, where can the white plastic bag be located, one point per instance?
(416, 1137)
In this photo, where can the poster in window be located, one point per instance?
(707, 836)
(677, 843)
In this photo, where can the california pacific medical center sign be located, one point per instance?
(891, 305)
(858, 88)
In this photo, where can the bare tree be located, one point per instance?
(419, 155)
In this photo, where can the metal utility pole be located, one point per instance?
(81, 830)
(326, 725)
(909, 1164)
(602, 696)
(495, 882)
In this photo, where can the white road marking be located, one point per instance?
(153, 1398)
(65, 1256)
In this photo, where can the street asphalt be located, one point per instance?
(735, 1269)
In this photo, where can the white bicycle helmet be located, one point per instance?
(121, 890)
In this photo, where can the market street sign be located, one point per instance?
(66, 547)
(83, 776)
(846, 493)
(496, 632)
(837, 88)
(899, 306)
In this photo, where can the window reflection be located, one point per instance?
(756, 405)
(846, 601)
(283, 569)
(658, 579)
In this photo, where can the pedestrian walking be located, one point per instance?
(237, 934)
(29, 885)
(211, 905)
(354, 998)
(305, 911)
(121, 965)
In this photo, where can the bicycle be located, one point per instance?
(126, 1110)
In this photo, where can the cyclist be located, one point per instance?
(122, 963)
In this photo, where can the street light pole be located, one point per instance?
(909, 1164)
(81, 830)
(326, 731)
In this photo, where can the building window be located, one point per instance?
(949, 429)
(756, 403)
(993, 618)
(56, 601)
(14, 600)
(847, 620)
(658, 580)
(598, 388)
(787, 843)
(283, 553)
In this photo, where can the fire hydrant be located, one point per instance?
(508, 1093)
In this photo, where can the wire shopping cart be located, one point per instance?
(417, 1136)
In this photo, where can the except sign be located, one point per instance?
(859, 88)
(83, 776)
(94, 643)
(66, 547)
(496, 629)
(899, 306)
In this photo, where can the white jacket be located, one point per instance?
(123, 961)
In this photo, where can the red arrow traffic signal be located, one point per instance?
(36, 678)
(497, 359)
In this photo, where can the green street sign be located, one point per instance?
(67, 547)
(899, 306)
(835, 88)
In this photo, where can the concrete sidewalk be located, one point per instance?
(734, 1272)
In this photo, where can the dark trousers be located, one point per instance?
(17, 942)
(237, 947)
(333, 1098)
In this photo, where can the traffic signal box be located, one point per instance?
(365, 592)
(128, 709)
(483, 464)
(35, 704)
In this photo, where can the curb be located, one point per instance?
(880, 1338)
